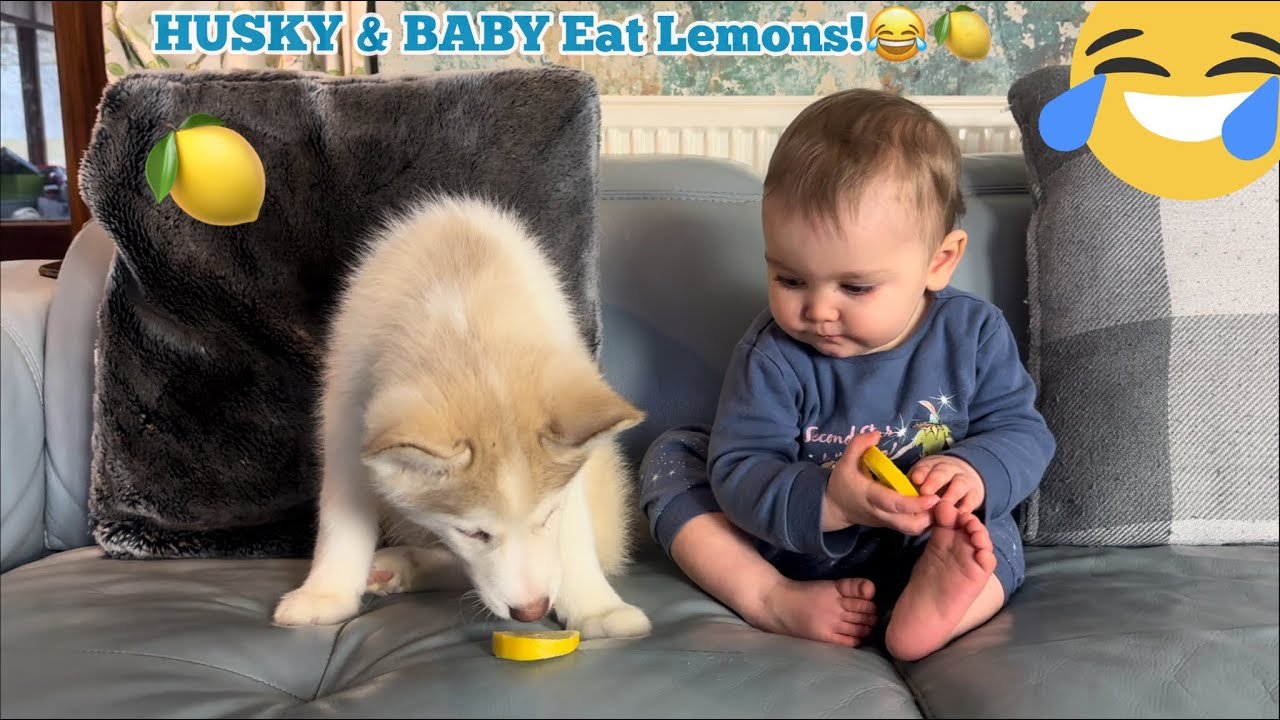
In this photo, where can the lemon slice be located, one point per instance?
(883, 469)
(538, 645)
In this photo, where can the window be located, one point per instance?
(52, 75)
(33, 158)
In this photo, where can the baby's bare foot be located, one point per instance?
(839, 611)
(956, 565)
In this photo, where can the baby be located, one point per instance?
(864, 343)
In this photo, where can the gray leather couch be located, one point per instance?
(1141, 632)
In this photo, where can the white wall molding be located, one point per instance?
(746, 128)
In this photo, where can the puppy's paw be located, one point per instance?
(309, 607)
(619, 621)
(392, 571)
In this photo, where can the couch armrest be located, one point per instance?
(68, 387)
(25, 297)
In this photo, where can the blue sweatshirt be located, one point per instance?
(957, 386)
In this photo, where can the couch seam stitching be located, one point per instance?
(54, 479)
(327, 663)
(858, 694)
(922, 703)
(195, 662)
(37, 375)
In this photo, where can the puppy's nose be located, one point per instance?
(531, 612)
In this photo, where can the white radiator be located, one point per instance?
(746, 129)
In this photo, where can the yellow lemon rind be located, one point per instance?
(883, 469)
(538, 645)
(207, 156)
(970, 38)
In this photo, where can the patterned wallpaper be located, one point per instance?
(1026, 36)
(126, 30)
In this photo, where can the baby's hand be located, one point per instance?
(964, 490)
(856, 498)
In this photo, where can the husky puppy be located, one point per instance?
(468, 435)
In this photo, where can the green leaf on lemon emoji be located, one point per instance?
(200, 120)
(942, 27)
(210, 170)
(162, 166)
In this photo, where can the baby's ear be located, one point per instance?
(585, 412)
(945, 259)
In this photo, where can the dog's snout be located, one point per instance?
(532, 612)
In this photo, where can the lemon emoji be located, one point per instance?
(964, 32)
(211, 171)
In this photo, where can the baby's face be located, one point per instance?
(857, 288)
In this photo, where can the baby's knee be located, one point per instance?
(680, 451)
(668, 519)
(674, 466)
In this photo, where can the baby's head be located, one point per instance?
(861, 201)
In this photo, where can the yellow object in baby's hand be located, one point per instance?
(883, 469)
(537, 645)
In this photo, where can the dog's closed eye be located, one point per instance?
(477, 535)
(551, 514)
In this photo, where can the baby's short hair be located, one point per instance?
(838, 145)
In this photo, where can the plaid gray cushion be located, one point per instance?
(1154, 347)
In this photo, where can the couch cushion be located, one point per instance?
(1178, 631)
(68, 369)
(27, 295)
(681, 277)
(1154, 345)
(997, 209)
(85, 635)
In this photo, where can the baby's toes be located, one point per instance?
(856, 588)
(978, 535)
(945, 516)
(856, 631)
(867, 620)
(986, 560)
(839, 638)
(857, 605)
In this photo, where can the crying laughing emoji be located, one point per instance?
(1177, 100)
(897, 34)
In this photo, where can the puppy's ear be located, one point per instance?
(404, 434)
(390, 454)
(585, 412)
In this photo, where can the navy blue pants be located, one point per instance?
(674, 490)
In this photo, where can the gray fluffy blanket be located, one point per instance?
(211, 338)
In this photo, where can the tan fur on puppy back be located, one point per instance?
(456, 277)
